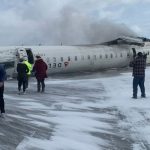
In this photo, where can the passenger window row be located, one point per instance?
(94, 57)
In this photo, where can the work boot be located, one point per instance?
(143, 96)
(135, 97)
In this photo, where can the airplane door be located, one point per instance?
(20, 53)
(30, 55)
(23, 53)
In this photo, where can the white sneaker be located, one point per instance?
(3, 115)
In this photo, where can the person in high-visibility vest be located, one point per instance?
(29, 72)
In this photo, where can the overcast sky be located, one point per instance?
(51, 22)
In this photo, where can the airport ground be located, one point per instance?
(92, 111)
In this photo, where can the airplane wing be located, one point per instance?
(125, 40)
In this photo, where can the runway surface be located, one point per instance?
(92, 111)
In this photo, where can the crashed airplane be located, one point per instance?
(63, 59)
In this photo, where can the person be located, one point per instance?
(139, 65)
(22, 70)
(40, 68)
(29, 72)
(2, 78)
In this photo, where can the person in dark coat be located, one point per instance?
(2, 78)
(139, 65)
(22, 70)
(40, 68)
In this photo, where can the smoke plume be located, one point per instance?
(72, 28)
(38, 22)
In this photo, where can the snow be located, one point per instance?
(86, 113)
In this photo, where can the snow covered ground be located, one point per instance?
(93, 111)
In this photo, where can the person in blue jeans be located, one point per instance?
(139, 65)
(2, 78)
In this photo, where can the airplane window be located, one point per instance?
(54, 59)
(100, 56)
(106, 56)
(61, 58)
(75, 58)
(121, 55)
(88, 56)
(68, 58)
(94, 57)
(111, 55)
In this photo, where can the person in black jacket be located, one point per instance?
(2, 78)
(22, 70)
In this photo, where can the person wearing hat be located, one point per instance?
(22, 70)
(139, 65)
(40, 68)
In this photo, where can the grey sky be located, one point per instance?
(51, 22)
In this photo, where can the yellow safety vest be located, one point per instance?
(29, 66)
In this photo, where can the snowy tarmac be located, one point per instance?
(92, 111)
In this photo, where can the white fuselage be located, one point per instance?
(81, 58)
(63, 59)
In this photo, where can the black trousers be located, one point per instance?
(40, 83)
(27, 80)
(2, 104)
(20, 83)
